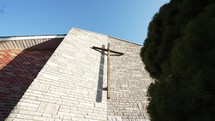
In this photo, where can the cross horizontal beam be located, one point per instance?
(112, 51)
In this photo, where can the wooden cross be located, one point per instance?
(108, 64)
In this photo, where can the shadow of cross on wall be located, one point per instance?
(101, 76)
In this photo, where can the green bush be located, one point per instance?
(179, 53)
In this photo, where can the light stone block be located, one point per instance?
(114, 118)
(48, 108)
(40, 87)
(52, 77)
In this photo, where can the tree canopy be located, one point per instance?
(179, 53)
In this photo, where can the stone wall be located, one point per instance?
(129, 83)
(70, 85)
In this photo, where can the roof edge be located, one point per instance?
(88, 31)
(125, 41)
(107, 35)
(7, 38)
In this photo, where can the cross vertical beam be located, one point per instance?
(108, 63)
(108, 71)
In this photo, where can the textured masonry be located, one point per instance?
(71, 85)
(129, 82)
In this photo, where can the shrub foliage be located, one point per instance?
(179, 53)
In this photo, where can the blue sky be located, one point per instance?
(124, 19)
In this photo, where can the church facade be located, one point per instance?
(63, 78)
